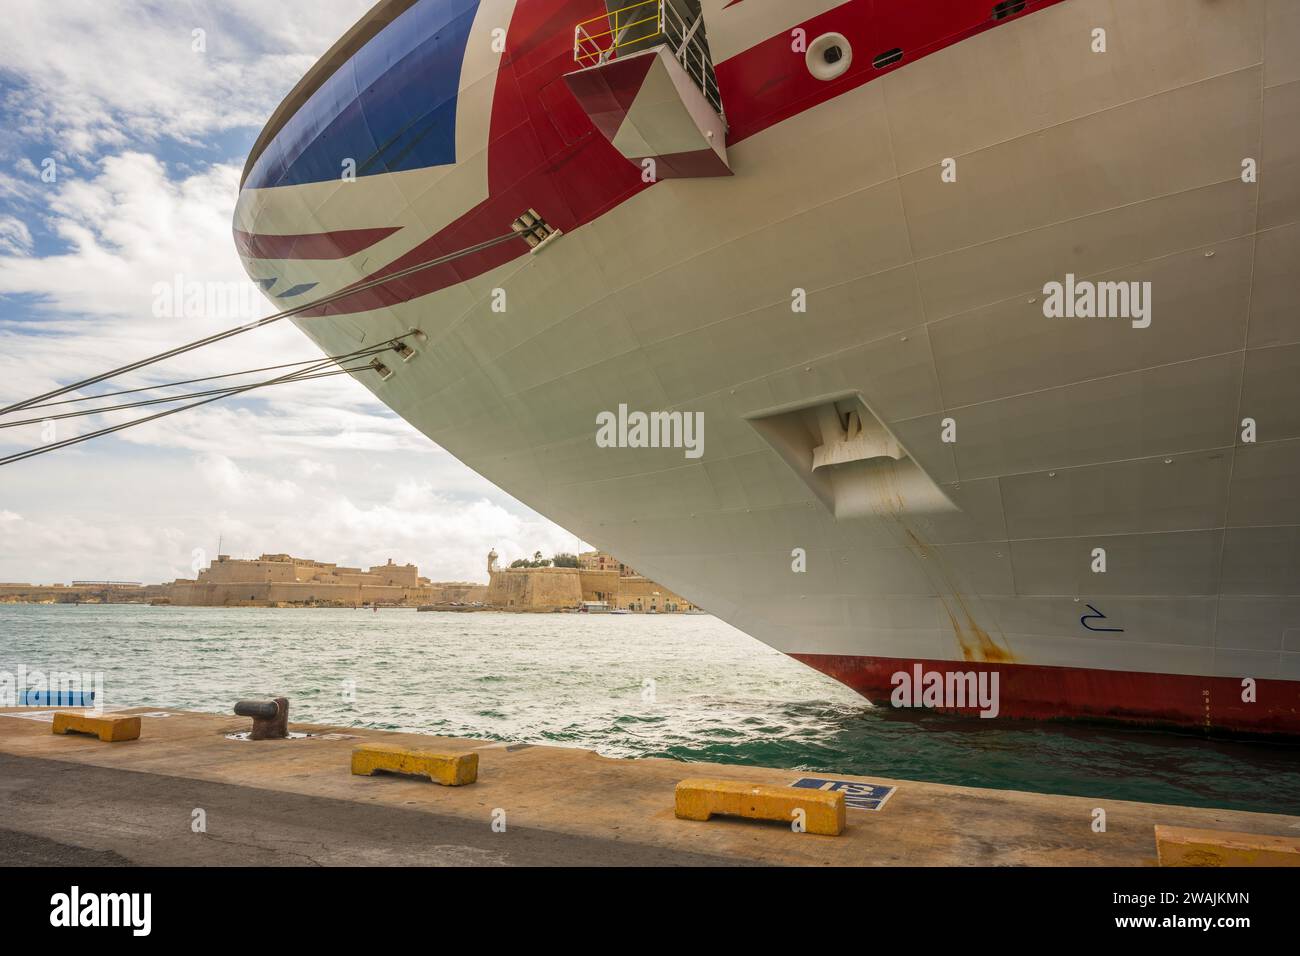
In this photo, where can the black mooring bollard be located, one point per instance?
(270, 717)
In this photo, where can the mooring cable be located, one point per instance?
(211, 378)
(228, 390)
(33, 452)
(259, 323)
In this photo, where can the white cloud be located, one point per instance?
(144, 517)
(310, 468)
(230, 482)
(128, 228)
(92, 75)
(15, 238)
(104, 88)
(131, 230)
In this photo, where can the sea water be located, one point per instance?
(686, 687)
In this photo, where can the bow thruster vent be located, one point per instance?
(850, 460)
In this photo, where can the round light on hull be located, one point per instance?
(829, 56)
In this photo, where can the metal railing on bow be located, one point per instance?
(642, 26)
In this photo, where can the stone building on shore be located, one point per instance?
(273, 580)
(599, 582)
(81, 592)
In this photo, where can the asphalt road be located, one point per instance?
(58, 813)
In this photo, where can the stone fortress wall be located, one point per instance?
(275, 579)
(600, 579)
(80, 592)
(272, 580)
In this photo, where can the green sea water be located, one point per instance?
(681, 686)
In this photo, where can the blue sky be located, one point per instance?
(147, 123)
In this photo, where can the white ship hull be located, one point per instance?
(924, 313)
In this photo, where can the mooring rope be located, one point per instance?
(228, 390)
(224, 393)
(192, 381)
(260, 323)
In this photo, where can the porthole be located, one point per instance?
(829, 56)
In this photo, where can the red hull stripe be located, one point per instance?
(320, 245)
(770, 81)
(1044, 693)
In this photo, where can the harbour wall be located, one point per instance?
(551, 589)
(259, 594)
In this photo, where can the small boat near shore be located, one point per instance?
(601, 607)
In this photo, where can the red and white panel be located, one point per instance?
(650, 108)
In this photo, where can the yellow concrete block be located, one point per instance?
(106, 728)
(1183, 846)
(450, 770)
(699, 799)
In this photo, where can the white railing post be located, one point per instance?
(671, 26)
(690, 34)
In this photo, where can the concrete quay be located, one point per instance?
(78, 800)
